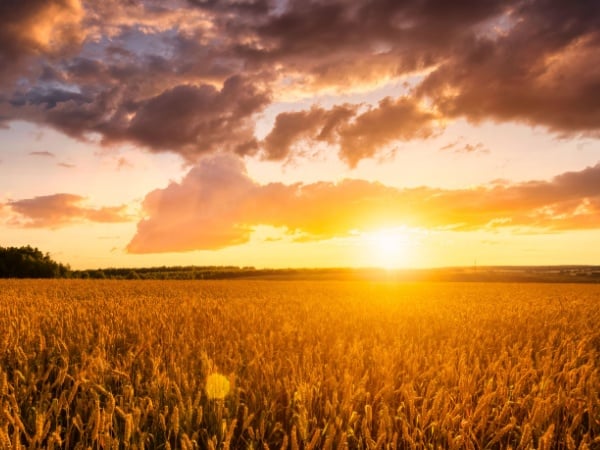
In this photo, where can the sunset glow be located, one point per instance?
(389, 249)
(167, 133)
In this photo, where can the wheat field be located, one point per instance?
(298, 365)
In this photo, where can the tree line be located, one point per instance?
(29, 262)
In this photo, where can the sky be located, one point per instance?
(301, 133)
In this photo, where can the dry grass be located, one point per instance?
(316, 365)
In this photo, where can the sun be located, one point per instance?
(388, 248)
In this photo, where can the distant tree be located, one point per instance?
(98, 274)
(133, 275)
(29, 262)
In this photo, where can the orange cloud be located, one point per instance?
(53, 211)
(203, 211)
(217, 205)
(37, 27)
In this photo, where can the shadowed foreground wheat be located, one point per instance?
(312, 365)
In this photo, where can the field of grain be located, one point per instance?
(299, 365)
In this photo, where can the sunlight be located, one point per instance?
(388, 248)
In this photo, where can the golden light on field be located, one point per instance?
(317, 364)
(388, 248)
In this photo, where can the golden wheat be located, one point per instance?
(299, 365)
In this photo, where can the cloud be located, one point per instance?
(357, 135)
(340, 43)
(201, 212)
(57, 210)
(198, 119)
(44, 154)
(48, 98)
(317, 124)
(217, 205)
(123, 163)
(392, 120)
(188, 119)
(37, 27)
(459, 146)
(544, 70)
(108, 69)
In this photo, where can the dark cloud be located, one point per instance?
(317, 124)
(53, 211)
(188, 119)
(198, 119)
(82, 68)
(543, 70)
(217, 205)
(190, 76)
(254, 7)
(342, 42)
(356, 134)
(47, 98)
(36, 27)
(392, 120)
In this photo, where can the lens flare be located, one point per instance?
(217, 386)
